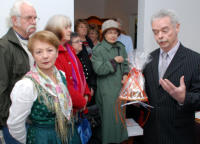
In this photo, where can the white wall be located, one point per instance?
(188, 14)
(45, 9)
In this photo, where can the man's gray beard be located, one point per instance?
(31, 34)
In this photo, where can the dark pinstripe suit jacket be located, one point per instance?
(169, 122)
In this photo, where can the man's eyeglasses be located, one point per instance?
(30, 18)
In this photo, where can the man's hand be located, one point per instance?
(178, 93)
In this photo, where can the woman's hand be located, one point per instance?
(86, 98)
(124, 79)
(119, 59)
(92, 91)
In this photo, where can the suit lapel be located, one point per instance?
(154, 66)
(176, 62)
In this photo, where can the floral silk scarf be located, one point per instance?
(62, 103)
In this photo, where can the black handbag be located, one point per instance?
(93, 116)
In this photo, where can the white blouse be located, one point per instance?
(22, 96)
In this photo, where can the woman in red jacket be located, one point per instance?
(68, 62)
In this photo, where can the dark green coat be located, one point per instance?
(14, 64)
(109, 76)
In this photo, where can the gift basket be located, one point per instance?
(133, 88)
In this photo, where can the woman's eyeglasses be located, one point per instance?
(78, 41)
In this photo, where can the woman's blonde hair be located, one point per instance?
(43, 36)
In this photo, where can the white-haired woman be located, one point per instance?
(109, 61)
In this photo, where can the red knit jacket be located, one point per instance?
(65, 62)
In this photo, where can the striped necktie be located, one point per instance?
(164, 64)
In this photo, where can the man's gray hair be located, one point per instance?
(166, 13)
(15, 10)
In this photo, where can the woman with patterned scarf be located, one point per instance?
(42, 97)
(69, 63)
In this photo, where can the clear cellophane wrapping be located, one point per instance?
(133, 88)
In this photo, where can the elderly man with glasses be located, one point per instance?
(15, 59)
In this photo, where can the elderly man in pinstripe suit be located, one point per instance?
(172, 85)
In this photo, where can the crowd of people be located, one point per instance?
(50, 78)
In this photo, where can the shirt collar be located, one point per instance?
(173, 51)
(22, 38)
